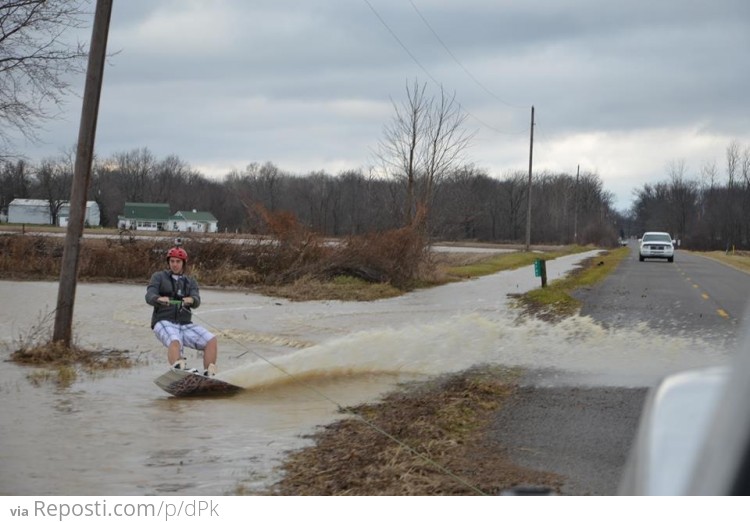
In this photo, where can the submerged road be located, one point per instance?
(694, 296)
(558, 423)
(576, 419)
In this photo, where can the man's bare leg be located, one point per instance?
(173, 352)
(210, 352)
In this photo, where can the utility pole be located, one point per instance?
(575, 208)
(82, 173)
(528, 197)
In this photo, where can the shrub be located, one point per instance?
(290, 254)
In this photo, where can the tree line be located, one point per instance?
(708, 211)
(467, 203)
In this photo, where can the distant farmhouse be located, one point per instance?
(157, 217)
(36, 212)
(194, 221)
(144, 216)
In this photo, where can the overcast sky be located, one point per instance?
(621, 88)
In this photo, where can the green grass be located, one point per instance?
(739, 259)
(555, 302)
(509, 261)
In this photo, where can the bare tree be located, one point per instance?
(423, 144)
(355, 193)
(269, 179)
(54, 179)
(733, 204)
(462, 203)
(36, 61)
(400, 145)
(513, 201)
(683, 199)
(446, 141)
(708, 175)
(15, 182)
(733, 162)
(136, 171)
(168, 177)
(745, 166)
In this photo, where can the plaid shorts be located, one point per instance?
(190, 335)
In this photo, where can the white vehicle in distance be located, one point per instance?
(658, 245)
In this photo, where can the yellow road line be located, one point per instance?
(704, 295)
(722, 313)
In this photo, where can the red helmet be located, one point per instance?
(177, 252)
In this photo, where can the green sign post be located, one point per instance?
(540, 270)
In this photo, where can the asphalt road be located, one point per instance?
(584, 433)
(581, 434)
(694, 296)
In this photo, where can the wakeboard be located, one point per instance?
(186, 383)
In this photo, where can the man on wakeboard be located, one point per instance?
(172, 294)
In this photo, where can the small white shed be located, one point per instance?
(92, 218)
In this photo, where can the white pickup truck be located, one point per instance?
(656, 245)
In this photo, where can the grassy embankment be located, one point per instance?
(738, 259)
(424, 439)
(555, 301)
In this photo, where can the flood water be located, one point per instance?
(117, 433)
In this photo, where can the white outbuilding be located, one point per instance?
(37, 212)
(92, 218)
(29, 211)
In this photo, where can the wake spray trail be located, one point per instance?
(573, 345)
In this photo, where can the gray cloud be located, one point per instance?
(308, 85)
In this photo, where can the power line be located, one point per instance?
(460, 64)
(403, 46)
(431, 77)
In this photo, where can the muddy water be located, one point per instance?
(117, 433)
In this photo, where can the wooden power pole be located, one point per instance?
(575, 207)
(82, 173)
(528, 197)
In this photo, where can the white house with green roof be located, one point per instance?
(145, 216)
(193, 221)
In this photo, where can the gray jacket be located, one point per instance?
(163, 284)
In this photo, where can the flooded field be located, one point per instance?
(117, 433)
